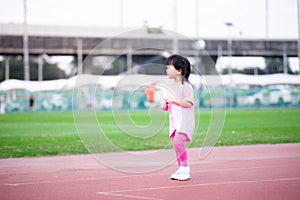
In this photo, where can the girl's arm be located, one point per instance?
(183, 103)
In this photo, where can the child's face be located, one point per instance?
(172, 72)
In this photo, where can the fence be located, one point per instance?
(87, 98)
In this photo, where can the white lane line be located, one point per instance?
(128, 196)
(139, 175)
(198, 185)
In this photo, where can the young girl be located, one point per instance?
(179, 102)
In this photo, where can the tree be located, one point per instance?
(275, 65)
(16, 70)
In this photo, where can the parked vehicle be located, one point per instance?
(270, 96)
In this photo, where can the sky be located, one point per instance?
(194, 18)
(203, 18)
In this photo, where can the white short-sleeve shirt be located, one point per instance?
(181, 119)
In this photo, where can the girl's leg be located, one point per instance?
(178, 141)
(172, 138)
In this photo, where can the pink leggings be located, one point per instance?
(178, 141)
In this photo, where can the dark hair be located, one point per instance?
(180, 62)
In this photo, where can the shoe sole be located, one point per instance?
(183, 179)
(180, 179)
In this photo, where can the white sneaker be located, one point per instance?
(182, 174)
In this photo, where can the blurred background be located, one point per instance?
(250, 48)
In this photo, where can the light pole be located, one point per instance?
(267, 18)
(175, 21)
(197, 18)
(121, 20)
(198, 46)
(6, 68)
(40, 65)
(79, 56)
(25, 45)
(229, 49)
(298, 10)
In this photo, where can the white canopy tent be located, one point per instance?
(261, 80)
(138, 80)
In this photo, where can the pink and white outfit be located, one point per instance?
(181, 120)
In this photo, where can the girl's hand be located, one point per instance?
(164, 104)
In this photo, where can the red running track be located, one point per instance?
(239, 172)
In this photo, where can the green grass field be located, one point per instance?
(44, 134)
